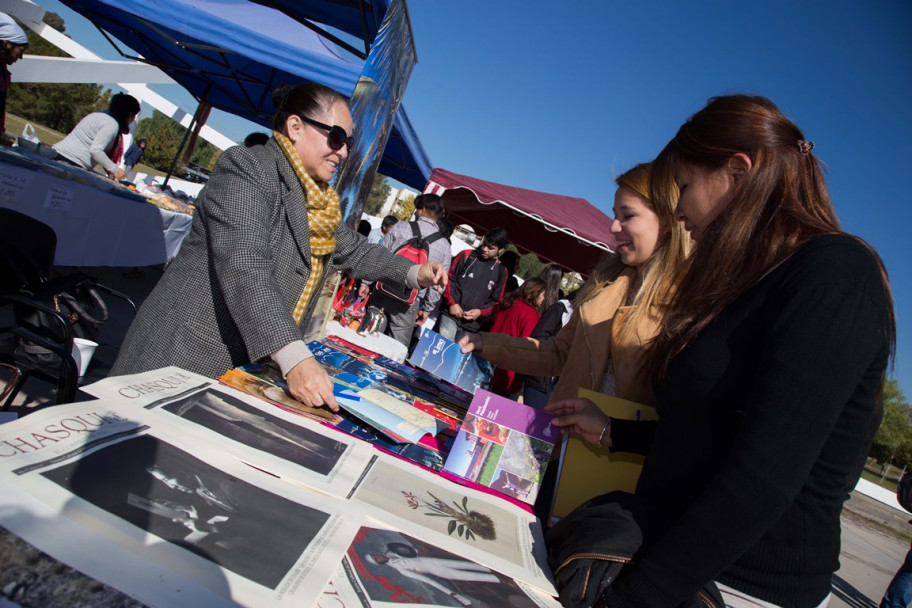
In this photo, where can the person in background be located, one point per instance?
(134, 154)
(364, 227)
(551, 275)
(245, 279)
(13, 44)
(769, 367)
(475, 288)
(537, 389)
(98, 138)
(256, 138)
(376, 235)
(517, 317)
(445, 226)
(402, 316)
(510, 261)
(899, 593)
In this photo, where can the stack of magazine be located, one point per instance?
(181, 491)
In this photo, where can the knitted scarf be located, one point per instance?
(323, 216)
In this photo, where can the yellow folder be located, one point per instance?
(586, 471)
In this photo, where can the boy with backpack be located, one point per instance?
(415, 240)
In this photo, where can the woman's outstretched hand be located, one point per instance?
(580, 417)
(471, 342)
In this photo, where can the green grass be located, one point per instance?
(49, 137)
(875, 478)
(490, 464)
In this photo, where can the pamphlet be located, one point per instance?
(444, 359)
(503, 445)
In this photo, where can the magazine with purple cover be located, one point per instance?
(503, 445)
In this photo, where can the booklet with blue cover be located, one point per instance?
(444, 359)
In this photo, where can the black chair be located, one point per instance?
(28, 321)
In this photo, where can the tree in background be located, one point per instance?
(529, 266)
(164, 135)
(379, 192)
(893, 442)
(57, 106)
(405, 208)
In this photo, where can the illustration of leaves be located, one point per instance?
(451, 526)
(470, 535)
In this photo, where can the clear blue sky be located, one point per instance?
(563, 96)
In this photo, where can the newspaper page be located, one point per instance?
(461, 520)
(385, 568)
(167, 526)
(264, 436)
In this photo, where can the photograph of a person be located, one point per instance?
(170, 494)
(396, 569)
(238, 420)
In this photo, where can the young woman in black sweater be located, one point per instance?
(768, 368)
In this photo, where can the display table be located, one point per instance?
(94, 227)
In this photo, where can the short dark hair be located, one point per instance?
(431, 203)
(364, 227)
(257, 138)
(445, 226)
(497, 237)
(389, 220)
(510, 259)
(142, 141)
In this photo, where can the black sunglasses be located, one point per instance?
(336, 137)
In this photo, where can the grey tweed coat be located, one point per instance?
(226, 298)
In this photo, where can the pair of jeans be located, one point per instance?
(449, 328)
(899, 593)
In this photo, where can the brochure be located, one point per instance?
(444, 359)
(396, 419)
(503, 445)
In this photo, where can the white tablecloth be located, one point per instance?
(94, 228)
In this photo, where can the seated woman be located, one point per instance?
(98, 138)
(600, 348)
(770, 365)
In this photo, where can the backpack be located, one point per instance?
(904, 491)
(416, 249)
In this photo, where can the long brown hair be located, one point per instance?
(528, 291)
(671, 252)
(781, 203)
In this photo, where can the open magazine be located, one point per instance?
(183, 492)
(503, 445)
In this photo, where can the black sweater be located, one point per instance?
(765, 420)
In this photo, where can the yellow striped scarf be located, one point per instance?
(323, 216)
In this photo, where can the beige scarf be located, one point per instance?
(323, 216)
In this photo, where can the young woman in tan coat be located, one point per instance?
(601, 345)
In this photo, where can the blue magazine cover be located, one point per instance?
(443, 358)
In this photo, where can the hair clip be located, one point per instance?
(805, 147)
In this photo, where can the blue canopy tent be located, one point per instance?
(361, 18)
(233, 53)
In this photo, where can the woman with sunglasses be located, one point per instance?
(266, 228)
(769, 367)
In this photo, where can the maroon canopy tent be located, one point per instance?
(565, 230)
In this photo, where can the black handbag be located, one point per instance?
(589, 548)
(76, 299)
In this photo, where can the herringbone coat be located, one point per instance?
(226, 299)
